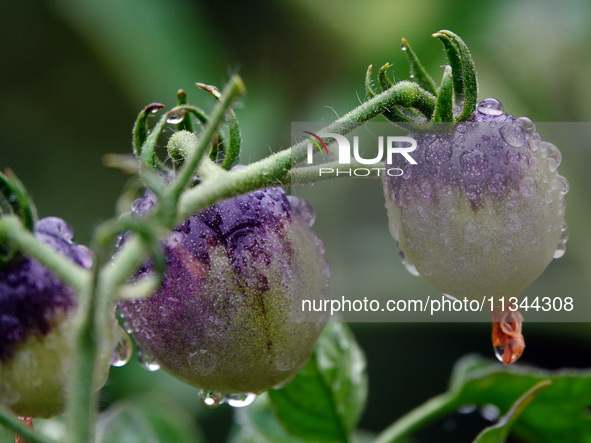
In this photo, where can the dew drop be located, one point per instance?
(497, 183)
(403, 47)
(141, 206)
(55, 226)
(490, 412)
(462, 128)
(552, 154)
(513, 135)
(437, 155)
(411, 268)
(84, 256)
(467, 409)
(147, 361)
(176, 117)
(560, 250)
(564, 185)
(473, 192)
(564, 233)
(512, 157)
(527, 124)
(240, 400)
(474, 162)
(490, 106)
(527, 187)
(123, 350)
(499, 352)
(303, 209)
(210, 399)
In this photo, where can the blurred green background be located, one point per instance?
(74, 75)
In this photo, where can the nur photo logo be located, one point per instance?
(349, 156)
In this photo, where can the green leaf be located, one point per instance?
(444, 106)
(170, 420)
(455, 61)
(232, 153)
(499, 432)
(148, 421)
(369, 91)
(560, 411)
(385, 82)
(326, 398)
(417, 71)
(14, 199)
(258, 423)
(140, 128)
(124, 422)
(463, 71)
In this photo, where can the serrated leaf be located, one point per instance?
(326, 398)
(499, 432)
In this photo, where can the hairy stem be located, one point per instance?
(81, 405)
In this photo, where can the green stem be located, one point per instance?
(434, 408)
(13, 423)
(81, 405)
(234, 88)
(12, 230)
(404, 94)
(275, 169)
(271, 171)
